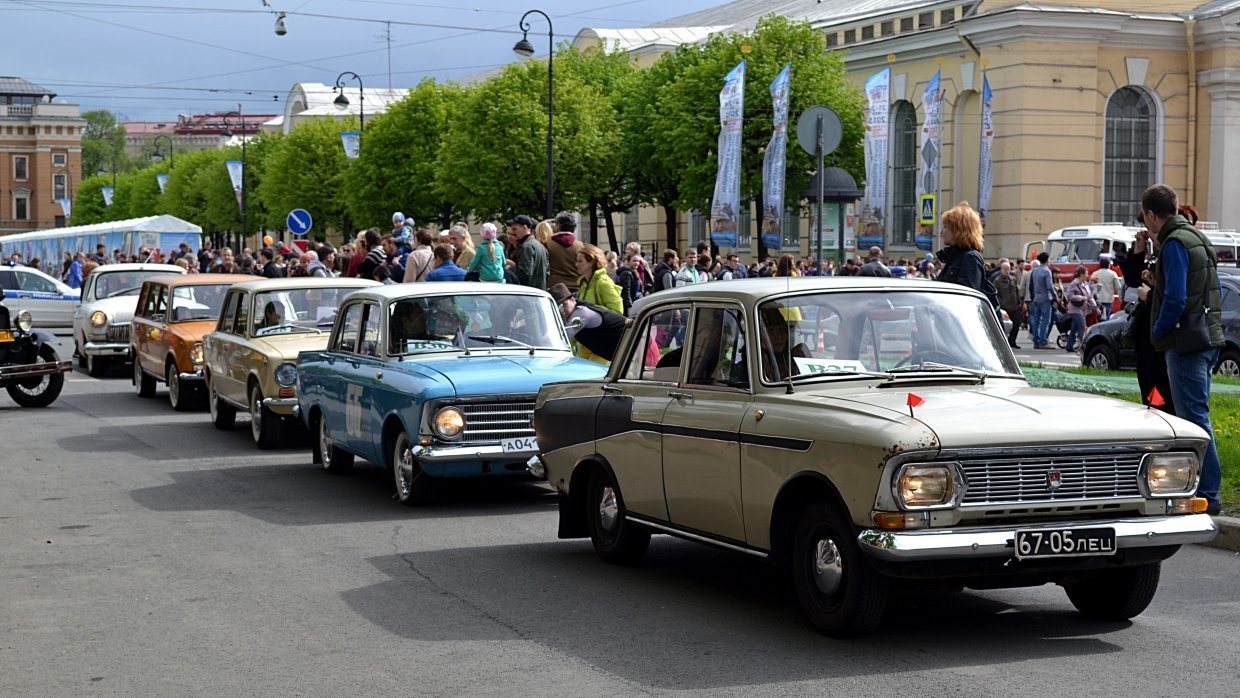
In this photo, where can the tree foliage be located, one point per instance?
(306, 170)
(103, 144)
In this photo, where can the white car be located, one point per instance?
(50, 301)
(101, 322)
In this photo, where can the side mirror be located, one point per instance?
(574, 326)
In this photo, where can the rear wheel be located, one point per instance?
(414, 488)
(334, 460)
(838, 589)
(1229, 363)
(616, 539)
(144, 383)
(1116, 595)
(1101, 357)
(38, 391)
(223, 415)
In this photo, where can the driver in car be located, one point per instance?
(271, 317)
(777, 326)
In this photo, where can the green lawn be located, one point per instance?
(1224, 412)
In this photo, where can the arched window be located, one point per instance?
(1131, 152)
(903, 173)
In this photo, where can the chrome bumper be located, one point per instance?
(105, 349)
(44, 368)
(281, 405)
(930, 544)
(455, 454)
(198, 375)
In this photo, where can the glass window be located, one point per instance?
(947, 16)
(1131, 150)
(122, 283)
(867, 32)
(8, 279)
(21, 167)
(59, 159)
(59, 185)
(717, 350)
(697, 227)
(925, 20)
(21, 208)
(36, 283)
(888, 28)
(906, 24)
(792, 228)
(194, 303)
(369, 344)
(850, 36)
(658, 351)
(904, 173)
(346, 335)
(1231, 301)
(744, 228)
(833, 39)
(229, 316)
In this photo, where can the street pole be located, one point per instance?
(822, 176)
(343, 101)
(525, 49)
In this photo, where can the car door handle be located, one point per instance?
(610, 389)
(679, 395)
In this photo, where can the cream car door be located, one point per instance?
(701, 426)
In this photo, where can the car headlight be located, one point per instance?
(1169, 474)
(98, 318)
(195, 353)
(286, 375)
(448, 423)
(925, 486)
(24, 321)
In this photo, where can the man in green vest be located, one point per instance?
(1186, 288)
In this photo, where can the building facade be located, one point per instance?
(40, 156)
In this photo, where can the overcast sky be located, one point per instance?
(154, 59)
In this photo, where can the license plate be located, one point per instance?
(1065, 542)
(6, 336)
(521, 444)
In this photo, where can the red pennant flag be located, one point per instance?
(1155, 398)
(915, 400)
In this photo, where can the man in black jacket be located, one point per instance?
(874, 266)
(600, 329)
(665, 272)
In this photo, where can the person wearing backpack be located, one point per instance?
(962, 257)
(665, 271)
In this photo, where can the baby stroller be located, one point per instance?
(1063, 323)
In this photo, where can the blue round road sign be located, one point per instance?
(299, 221)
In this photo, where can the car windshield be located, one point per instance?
(197, 302)
(475, 321)
(285, 311)
(121, 283)
(890, 333)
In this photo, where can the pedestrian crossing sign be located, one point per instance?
(929, 209)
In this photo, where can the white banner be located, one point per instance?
(352, 141)
(162, 178)
(725, 207)
(774, 165)
(66, 206)
(107, 195)
(985, 173)
(234, 174)
(878, 92)
(928, 176)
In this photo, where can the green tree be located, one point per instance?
(306, 170)
(138, 195)
(88, 205)
(259, 152)
(200, 192)
(396, 168)
(103, 144)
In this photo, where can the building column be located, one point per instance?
(1223, 86)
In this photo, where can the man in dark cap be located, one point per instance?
(599, 329)
(532, 260)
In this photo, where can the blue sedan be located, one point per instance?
(435, 381)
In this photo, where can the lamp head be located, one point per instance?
(280, 28)
(340, 100)
(524, 48)
(158, 155)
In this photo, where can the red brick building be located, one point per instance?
(40, 156)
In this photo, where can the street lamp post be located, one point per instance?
(158, 155)
(343, 101)
(525, 49)
(228, 133)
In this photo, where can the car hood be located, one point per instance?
(287, 346)
(119, 308)
(489, 374)
(192, 330)
(1015, 414)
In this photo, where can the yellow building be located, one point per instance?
(1091, 104)
(40, 156)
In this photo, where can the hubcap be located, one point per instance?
(211, 406)
(403, 464)
(174, 385)
(256, 414)
(1229, 368)
(608, 509)
(828, 566)
(137, 373)
(325, 449)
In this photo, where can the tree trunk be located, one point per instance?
(670, 227)
(610, 222)
(594, 222)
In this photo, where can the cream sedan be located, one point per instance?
(101, 323)
(251, 357)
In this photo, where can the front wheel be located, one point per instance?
(178, 394)
(839, 591)
(96, 366)
(1228, 363)
(1101, 357)
(264, 425)
(39, 391)
(414, 488)
(1116, 595)
(334, 460)
(616, 539)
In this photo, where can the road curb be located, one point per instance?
(1228, 537)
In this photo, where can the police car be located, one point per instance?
(50, 302)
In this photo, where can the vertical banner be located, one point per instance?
(874, 205)
(235, 173)
(107, 195)
(773, 165)
(162, 178)
(985, 175)
(352, 141)
(725, 208)
(928, 176)
(66, 206)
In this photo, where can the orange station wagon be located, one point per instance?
(174, 313)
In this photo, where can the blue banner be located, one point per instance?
(725, 207)
(352, 142)
(107, 195)
(162, 178)
(874, 205)
(985, 174)
(774, 165)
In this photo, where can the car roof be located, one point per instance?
(745, 290)
(390, 292)
(261, 284)
(196, 279)
(138, 266)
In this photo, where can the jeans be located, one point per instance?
(1039, 321)
(1077, 332)
(1104, 309)
(1190, 391)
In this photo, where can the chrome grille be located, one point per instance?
(118, 332)
(492, 421)
(1020, 479)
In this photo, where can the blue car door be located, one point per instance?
(334, 377)
(365, 386)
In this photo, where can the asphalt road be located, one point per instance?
(145, 553)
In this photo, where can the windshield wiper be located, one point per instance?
(293, 325)
(840, 372)
(499, 338)
(935, 367)
(122, 292)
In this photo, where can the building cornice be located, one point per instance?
(1070, 25)
(909, 48)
